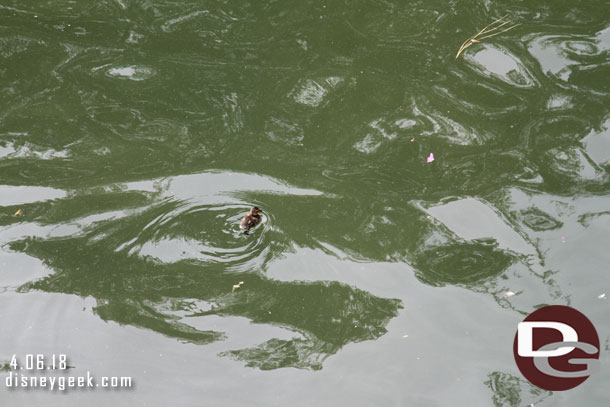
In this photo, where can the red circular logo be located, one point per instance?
(556, 348)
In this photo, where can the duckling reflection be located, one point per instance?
(251, 219)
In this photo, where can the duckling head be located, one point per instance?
(255, 210)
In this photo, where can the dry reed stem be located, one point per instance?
(487, 30)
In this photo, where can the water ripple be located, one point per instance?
(171, 237)
(567, 57)
(491, 60)
(312, 93)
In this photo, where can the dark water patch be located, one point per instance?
(128, 289)
(509, 390)
(466, 264)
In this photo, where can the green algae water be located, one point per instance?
(135, 135)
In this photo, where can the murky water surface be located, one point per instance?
(134, 135)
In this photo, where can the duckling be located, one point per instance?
(251, 219)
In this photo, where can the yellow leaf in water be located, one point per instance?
(18, 213)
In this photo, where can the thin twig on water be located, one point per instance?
(487, 32)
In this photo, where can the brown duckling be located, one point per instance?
(251, 219)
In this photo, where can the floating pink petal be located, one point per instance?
(430, 158)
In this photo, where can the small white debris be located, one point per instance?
(602, 296)
(508, 294)
(237, 286)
